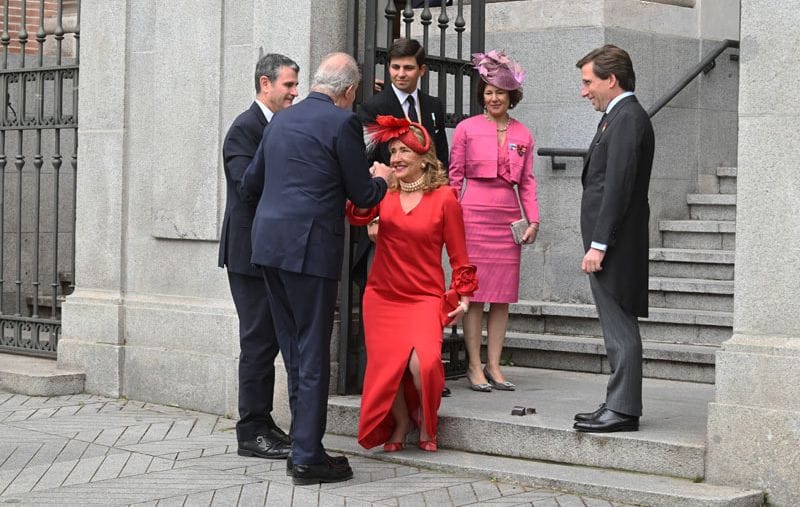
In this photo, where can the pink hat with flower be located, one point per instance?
(499, 70)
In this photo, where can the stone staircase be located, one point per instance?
(691, 302)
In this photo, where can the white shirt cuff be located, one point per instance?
(599, 246)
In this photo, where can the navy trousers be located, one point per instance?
(302, 309)
(259, 347)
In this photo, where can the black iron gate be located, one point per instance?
(38, 163)
(370, 33)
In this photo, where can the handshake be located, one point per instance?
(379, 170)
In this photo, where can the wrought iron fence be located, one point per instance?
(40, 44)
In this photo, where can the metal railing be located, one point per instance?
(704, 66)
(38, 131)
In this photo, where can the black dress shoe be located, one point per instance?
(336, 460)
(327, 471)
(588, 416)
(278, 434)
(446, 392)
(608, 421)
(264, 447)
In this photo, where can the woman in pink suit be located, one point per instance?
(491, 161)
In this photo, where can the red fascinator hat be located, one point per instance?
(387, 128)
(499, 70)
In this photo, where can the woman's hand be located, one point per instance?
(529, 236)
(372, 231)
(461, 309)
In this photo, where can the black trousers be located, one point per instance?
(259, 347)
(302, 308)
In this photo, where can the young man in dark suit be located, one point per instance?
(257, 433)
(615, 215)
(311, 160)
(403, 99)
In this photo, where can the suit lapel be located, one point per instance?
(391, 100)
(425, 111)
(606, 124)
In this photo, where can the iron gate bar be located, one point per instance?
(28, 327)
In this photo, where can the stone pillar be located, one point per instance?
(753, 428)
(152, 317)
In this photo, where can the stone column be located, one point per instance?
(753, 428)
(152, 317)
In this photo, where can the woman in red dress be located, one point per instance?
(405, 304)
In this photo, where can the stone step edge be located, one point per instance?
(698, 226)
(659, 351)
(37, 376)
(691, 285)
(691, 255)
(657, 315)
(615, 485)
(712, 199)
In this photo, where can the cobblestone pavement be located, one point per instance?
(85, 450)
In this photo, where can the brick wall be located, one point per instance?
(13, 24)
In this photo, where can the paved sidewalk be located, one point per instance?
(83, 450)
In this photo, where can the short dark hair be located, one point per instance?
(403, 47)
(270, 65)
(514, 96)
(610, 59)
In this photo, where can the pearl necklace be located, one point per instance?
(413, 186)
(508, 120)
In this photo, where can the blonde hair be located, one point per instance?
(432, 168)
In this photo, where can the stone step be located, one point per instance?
(690, 363)
(613, 485)
(712, 206)
(666, 325)
(36, 376)
(671, 440)
(698, 234)
(692, 263)
(701, 294)
(727, 179)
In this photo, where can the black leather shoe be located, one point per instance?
(264, 447)
(336, 460)
(278, 434)
(608, 421)
(327, 471)
(588, 416)
(446, 392)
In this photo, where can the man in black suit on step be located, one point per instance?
(615, 215)
(257, 433)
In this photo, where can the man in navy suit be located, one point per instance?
(257, 433)
(310, 161)
(615, 216)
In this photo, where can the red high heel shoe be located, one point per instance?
(393, 446)
(428, 445)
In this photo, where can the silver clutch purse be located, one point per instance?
(518, 228)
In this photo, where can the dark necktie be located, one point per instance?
(602, 120)
(412, 109)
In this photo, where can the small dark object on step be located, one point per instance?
(518, 410)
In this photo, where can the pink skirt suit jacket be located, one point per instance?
(485, 175)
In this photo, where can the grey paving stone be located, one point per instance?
(254, 494)
(486, 490)
(462, 494)
(25, 480)
(438, 496)
(570, 501)
(111, 467)
(176, 446)
(303, 496)
(414, 500)
(279, 494)
(109, 436)
(226, 496)
(175, 501)
(180, 429)
(55, 475)
(596, 502)
(201, 499)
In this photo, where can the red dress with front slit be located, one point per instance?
(403, 303)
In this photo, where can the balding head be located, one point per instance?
(337, 76)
